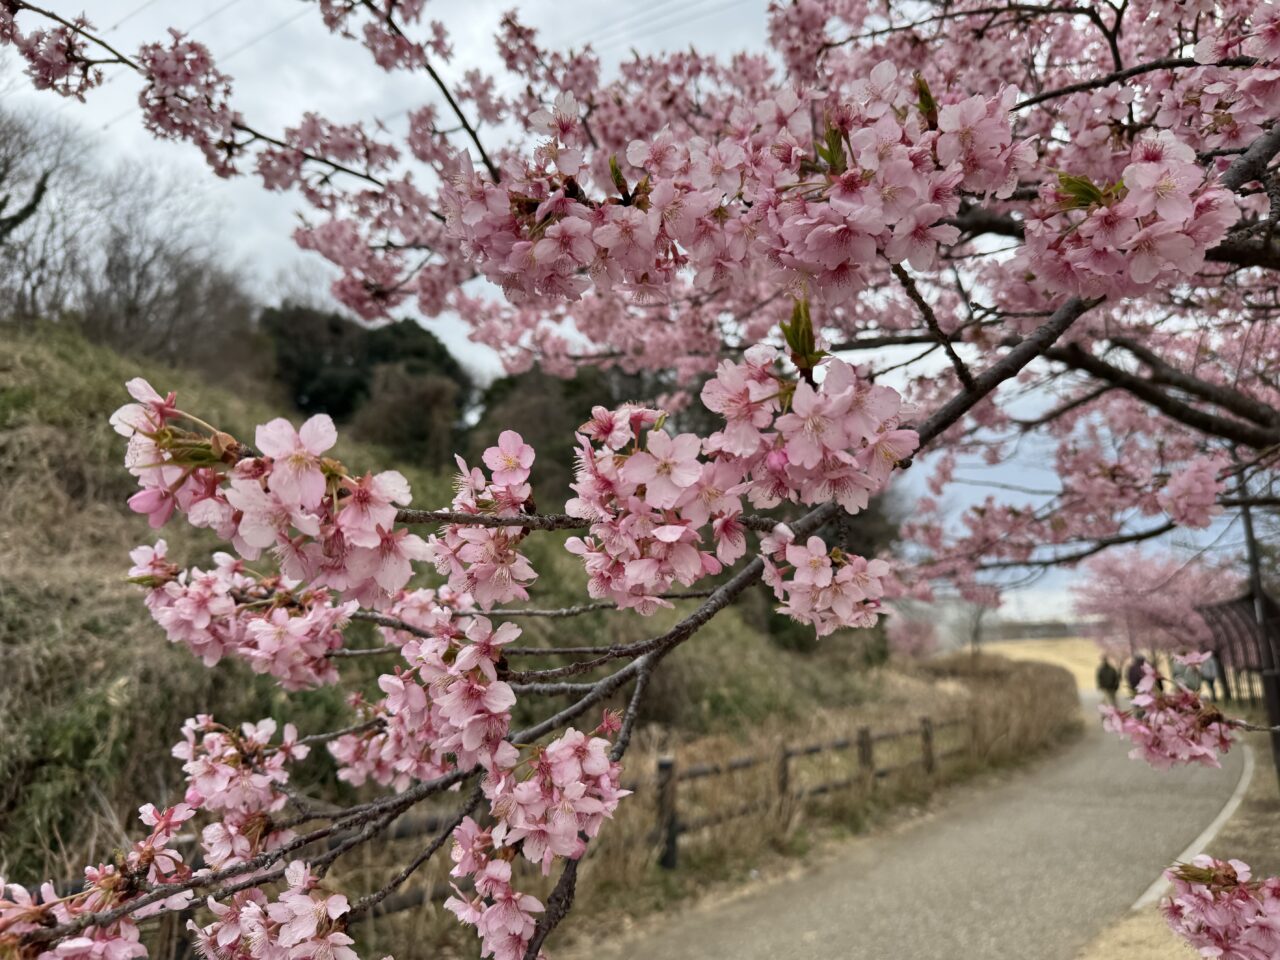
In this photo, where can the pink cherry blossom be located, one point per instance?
(510, 460)
(296, 473)
(666, 467)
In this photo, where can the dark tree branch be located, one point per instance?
(558, 906)
(531, 521)
(1097, 547)
(537, 521)
(1169, 63)
(24, 213)
(1238, 403)
(931, 320)
(1008, 366)
(1252, 164)
(1065, 408)
(1247, 434)
(361, 908)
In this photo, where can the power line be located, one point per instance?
(262, 36)
(680, 19)
(620, 33)
(207, 17)
(131, 14)
(222, 60)
(116, 73)
(627, 21)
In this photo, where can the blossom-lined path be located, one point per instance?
(1034, 866)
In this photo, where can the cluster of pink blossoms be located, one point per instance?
(1191, 495)
(824, 587)
(382, 32)
(325, 527)
(106, 886)
(57, 59)
(347, 144)
(751, 200)
(239, 775)
(547, 813)
(188, 98)
(1121, 239)
(303, 923)
(483, 561)
(1222, 912)
(229, 611)
(649, 495)
(446, 711)
(1171, 728)
(1214, 107)
(911, 636)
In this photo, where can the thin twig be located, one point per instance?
(931, 319)
(365, 904)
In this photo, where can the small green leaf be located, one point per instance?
(619, 181)
(928, 106)
(800, 338)
(832, 151)
(1081, 192)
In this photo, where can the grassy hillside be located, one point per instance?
(92, 695)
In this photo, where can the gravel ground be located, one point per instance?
(1035, 866)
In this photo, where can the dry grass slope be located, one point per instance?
(91, 695)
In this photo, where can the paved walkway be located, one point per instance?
(1029, 869)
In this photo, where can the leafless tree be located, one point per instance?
(125, 255)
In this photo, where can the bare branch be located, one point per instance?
(529, 521)
(1073, 355)
(361, 908)
(1169, 63)
(1008, 366)
(1097, 547)
(931, 319)
(1163, 372)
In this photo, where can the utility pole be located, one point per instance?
(1270, 673)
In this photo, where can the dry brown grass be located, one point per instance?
(1079, 655)
(91, 694)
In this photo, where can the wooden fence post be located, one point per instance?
(866, 756)
(668, 821)
(926, 745)
(784, 775)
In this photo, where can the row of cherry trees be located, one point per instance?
(1069, 207)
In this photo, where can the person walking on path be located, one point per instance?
(1133, 676)
(1210, 672)
(1108, 679)
(1192, 678)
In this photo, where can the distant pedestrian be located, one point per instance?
(1192, 678)
(1211, 673)
(1133, 676)
(1108, 679)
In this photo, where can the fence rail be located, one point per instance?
(670, 826)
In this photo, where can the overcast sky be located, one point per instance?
(284, 62)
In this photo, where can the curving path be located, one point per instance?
(1033, 867)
